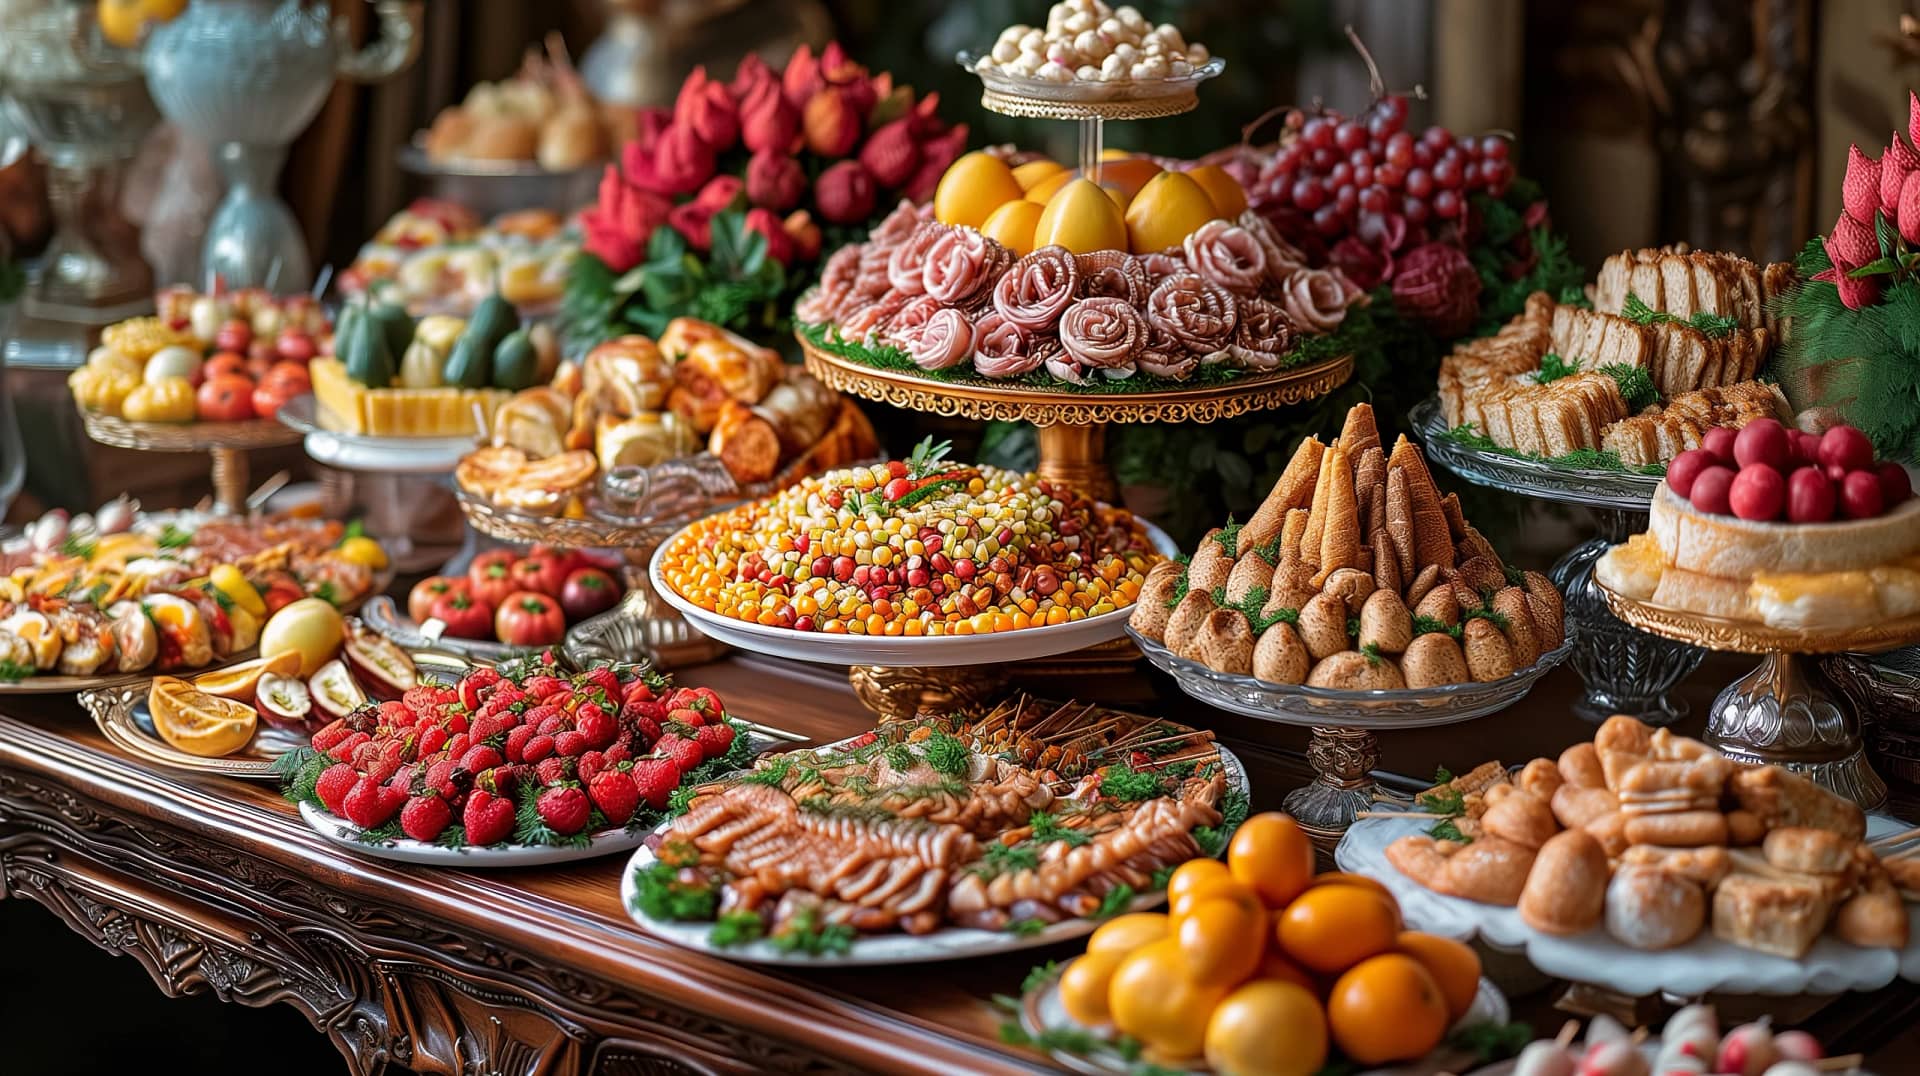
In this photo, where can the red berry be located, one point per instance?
(714, 740)
(1419, 182)
(555, 769)
(596, 725)
(1804, 446)
(330, 735)
(897, 468)
(1762, 441)
(1685, 468)
(368, 805)
(1896, 484)
(480, 757)
(537, 748)
(1719, 442)
(1308, 195)
(565, 810)
(571, 743)
(1810, 496)
(1447, 204)
(1860, 495)
(1757, 493)
(488, 818)
(615, 794)
(1846, 447)
(517, 742)
(424, 818)
(897, 488)
(639, 691)
(334, 784)
(654, 780)
(686, 755)
(1711, 489)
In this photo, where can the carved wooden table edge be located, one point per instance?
(211, 894)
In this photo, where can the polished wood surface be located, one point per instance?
(215, 885)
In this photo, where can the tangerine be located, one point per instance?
(1222, 939)
(1084, 986)
(1032, 172)
(1229, 198)
(1454, 966)
(1270, 853)
(1275, 965)
(1330, 928)
(1125, 933)
(1387, 1008)
(1152, 999)
(1012, 225)
(1267, 1028)
(1210, 889)
(1191, 873)
(972, 188)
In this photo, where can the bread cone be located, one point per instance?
(1369, 482)
(1386, 563)
(1340, 530)
(1456, 516)
(1295, 489)
(1317, 514)
(1399, 523)
(1359, 433)
(1433, 543)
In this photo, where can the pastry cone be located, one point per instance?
(1386, 564)
(1293, 572)
(1295, 489)
(1340, 532)
(1369, 483)
(1359, 433)
(1456, 516)
(1432, 543)
(1399, 523)
(1474, 546)
(1317, 514)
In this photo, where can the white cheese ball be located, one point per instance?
(1090, 47)
(1054, 72)
(1033, 41)
(1004, 51)
(1130, 17)
(1113, 68)
(1078, 22)
(1179, 69)
(1087, 73)
(1151, 67)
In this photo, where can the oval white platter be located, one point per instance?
(924, 651)
(347, 835)
(1042, 1011)
(947, 943)
(1704, 964)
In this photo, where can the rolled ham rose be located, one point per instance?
(1263, 337)
(1193, 312)
(1228, 255)
(946, 340)
(906, 324)
(906, 266)
(870, 316)
(1103, 333)
(1315, 299)
(1165, 263)
(1166, 357)
(870, 278)
(899, 224)
(1037, 290)
(960, 265)
(1001, 348)
(1113, 273)
(836, 283)
(1282, 257)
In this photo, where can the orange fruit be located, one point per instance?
(1012, 225)
(1272, 855)
(1165, 212)
(1343, 878)
(1210, 889)
(239, 681)
(1267, 1028)
(1330, 928)
(121, 21)
(1275, 965)
(1152, 999)
(1387, 1008)
(1229, 199)
(196, 722)
(1032, 172)
(1190, 874)
(972, 188)
(1125, 933)
(1045, 187)
(1453, 965)
(1222, 939)
(1083, 218)
(1085, 983)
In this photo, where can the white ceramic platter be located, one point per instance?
(347, 835)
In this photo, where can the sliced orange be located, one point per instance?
(239, 682)
(196, 722)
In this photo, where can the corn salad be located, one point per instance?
(909, 548)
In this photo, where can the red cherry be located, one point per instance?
(1711, 490)
(1810, 497)
(1436, 138)
(1896, 484)
(1804, 446)
(1317, 132)
(1419, 182)
(1447, 173)
(1350, 136)
(1761, 441)
(1846, 447)
(1686, 467)
(1400, 151)
(1860, 495)
(1757, 493)
(1308, 194)
(1447, 204)
(1493, 148)
(1719, 441)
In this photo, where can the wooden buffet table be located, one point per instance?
(215, 886)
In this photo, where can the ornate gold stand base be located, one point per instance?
(1076, 456)
(1343, 761)
(898, 693)
(1782, 713)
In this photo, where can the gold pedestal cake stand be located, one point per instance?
(227, 442)
(1781, 712)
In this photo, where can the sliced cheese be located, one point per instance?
(1826, 600)
(1632, 568)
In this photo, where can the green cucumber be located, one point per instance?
(368, 358)
(516, 365)
(471, 363)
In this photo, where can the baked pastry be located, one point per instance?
(1780, 797)
(1490, 870)
(1808, 850)
(1770, 915)
(1566, 891)
(1650, 908)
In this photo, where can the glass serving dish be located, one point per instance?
(1618, 490)
(1081, 92)
(490, 188)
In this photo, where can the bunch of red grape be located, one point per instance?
(1369, 176)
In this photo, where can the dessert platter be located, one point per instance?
(937, 838)
(439, 257)
(1780, 543)
(933, 570)
(1355, 599)
(1648, 862)
(1262, 965)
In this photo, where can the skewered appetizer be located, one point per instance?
(1668, 351)
(1780, 527)
(1354, 574)
(1691, 1043)
(921, 824)
(631, 403)
(434, 257)
(1654, 838)
(913, 547)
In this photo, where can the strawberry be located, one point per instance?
(615, 794)
(616, 754)
(638, 691)
(422, 699)
(686, 755)
(474, 687)
(654, 780)
(384, 760)
(596, 725)
(456, 721)
(342, 751)
(714, 740)
(369, 805)
(554, 769)
(555, 725)
(565, 809)
(696, 698)
(334, 784)
(517, 742)
(588, 764)
(543, 687)
(686, 715)
(458, 743)
(480, 757)
(643, 725)
(486, 726)
(433, 738)
(396, 715)
(330, 735)
(603, 678)
(536, 748)
(440, 776)
(571, 742)
(424, 818)
(541, 714)
(487, 817)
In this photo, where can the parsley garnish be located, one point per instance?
(1129, 785)
(805, 934)
(1553, 368)
(172, 537)
(14, 671)
(1038, 977)
(947, 755)
(1427, 625)
(1713, 325)
(1447, 830)
(1233, 811)
(78, 547)
(659, 893)
(1027, 927)
(1047, 828)
(737, 928)
(1115, 901)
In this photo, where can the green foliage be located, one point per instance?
(737, 928)
(1039, 976)
(1047, 829)
(172, 537)
(1425, 625)
(1128, 785)
(1553, 368)
(735, 285)
(1636, 385)
(1713, 325)
(1115, 901)
(1027, 927)
(1213, 840)
(1585, 459)
(1865, 362)
(12, 279)
(298, 771)
(1447, 830)
(659, 893)
(1492, 1042)
(947, 755)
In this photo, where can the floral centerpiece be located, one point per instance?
(1855, 344)
(721, 206)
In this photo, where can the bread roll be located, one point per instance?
(1649, 908)
(1566, 890)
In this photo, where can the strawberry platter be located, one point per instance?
(515, 765)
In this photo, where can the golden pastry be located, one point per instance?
(1565, 892)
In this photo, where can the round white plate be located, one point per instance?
(1042, 1011)
(384, 455)
(347, 835)
(1704, 964)
(928, 652)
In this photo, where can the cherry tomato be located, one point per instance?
(290, 373)
(572, 558)
(294, 345)
(465, 616)
(282, 590)
(588, 592)
(234, 335)
(429, 590)
(542, 573)
(529, 619)
(490, 578)
(224, 362)
(269, 398)
(228, 398)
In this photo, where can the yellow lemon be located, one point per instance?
(198, 723)
(239, 682)
(121, 21)
(973, 187)
(227, 580)
(1084, 986)
(1267, 1028)
(1152, 999)
(1125, 933)
(309, 627)
(1165, 211)
(163, 10)
(1129, 175)
(1033, 172)
(1082, 218)
(1043, 191)
(1229, 200)
(1012, 225)
(364, 551)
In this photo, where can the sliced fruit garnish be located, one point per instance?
(378, 662)
(334, 691)
(284, 699)
(196, 722)
(241, 681)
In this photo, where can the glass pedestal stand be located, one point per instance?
(1624, 670)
